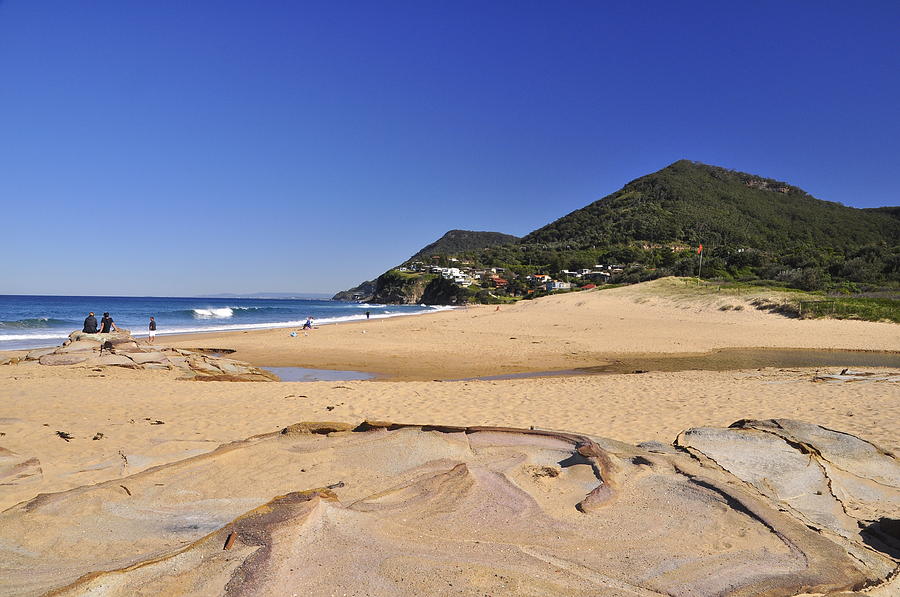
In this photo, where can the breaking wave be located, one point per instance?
(218, 313)
(224, 312)
(33, 323)
(229, 327)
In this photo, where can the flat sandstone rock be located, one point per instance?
(64, 359)
(388, 509)
(142, 358)
(120, 349)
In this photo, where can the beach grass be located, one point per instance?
(786, 301)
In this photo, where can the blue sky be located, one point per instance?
(178, 148)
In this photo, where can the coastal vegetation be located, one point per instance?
(730, 295)
(752, 229)
(460, 241)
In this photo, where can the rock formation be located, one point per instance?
(762, 508)
(120, 349)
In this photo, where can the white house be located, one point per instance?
(557, 285)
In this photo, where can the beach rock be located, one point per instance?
(125, 351)
(127, 347)
(232, 367)
(831, 479)
(157, 366)
(389, 509)
(201, 365)
(78, 346)
(11, 361)
(63, 359)
(116, 360)
(37, 353)
(78, 336)
(142, 358)
(179, 361)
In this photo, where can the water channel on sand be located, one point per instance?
(727, 359)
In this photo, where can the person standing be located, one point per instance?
(107, 324)
(90, 324)
(367, 314)
(152, 330)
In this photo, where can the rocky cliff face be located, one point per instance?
(443, 292)
(364, 292)
(395, 288)
(415, 289)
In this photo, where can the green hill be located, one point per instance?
(751, 227)
(399, 287)
(690, 203)
(456, 242)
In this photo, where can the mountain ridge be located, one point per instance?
(752, 227)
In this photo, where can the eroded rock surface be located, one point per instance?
(120, 349)
(388, 509)
(832, 479)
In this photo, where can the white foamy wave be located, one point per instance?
(220, 313)
(14, 337)
(298, 323)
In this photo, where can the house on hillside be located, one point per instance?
(539, 279)
(598, 276)
(557, 285)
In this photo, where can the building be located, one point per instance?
(557, 285)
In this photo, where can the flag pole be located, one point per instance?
(700, 268)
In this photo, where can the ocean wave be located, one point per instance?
(34, 322)
(222, 312)
(233, 327)
(30, 337)
(31, 340)
(216, 313)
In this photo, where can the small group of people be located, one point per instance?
(107, 325)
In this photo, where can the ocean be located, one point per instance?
(36, 321)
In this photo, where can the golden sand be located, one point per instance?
(560, 332)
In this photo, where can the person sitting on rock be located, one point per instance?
(90, 324)
(107, 324)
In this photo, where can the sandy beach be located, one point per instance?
(70, 428)
(556, 333)
(585, 329)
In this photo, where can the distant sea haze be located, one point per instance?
(36, 321)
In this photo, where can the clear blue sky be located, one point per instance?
(178, 148)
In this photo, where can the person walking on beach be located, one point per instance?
(308, 324)
(152, 330)
(90, 324)
(367, 314)
(107, 324)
